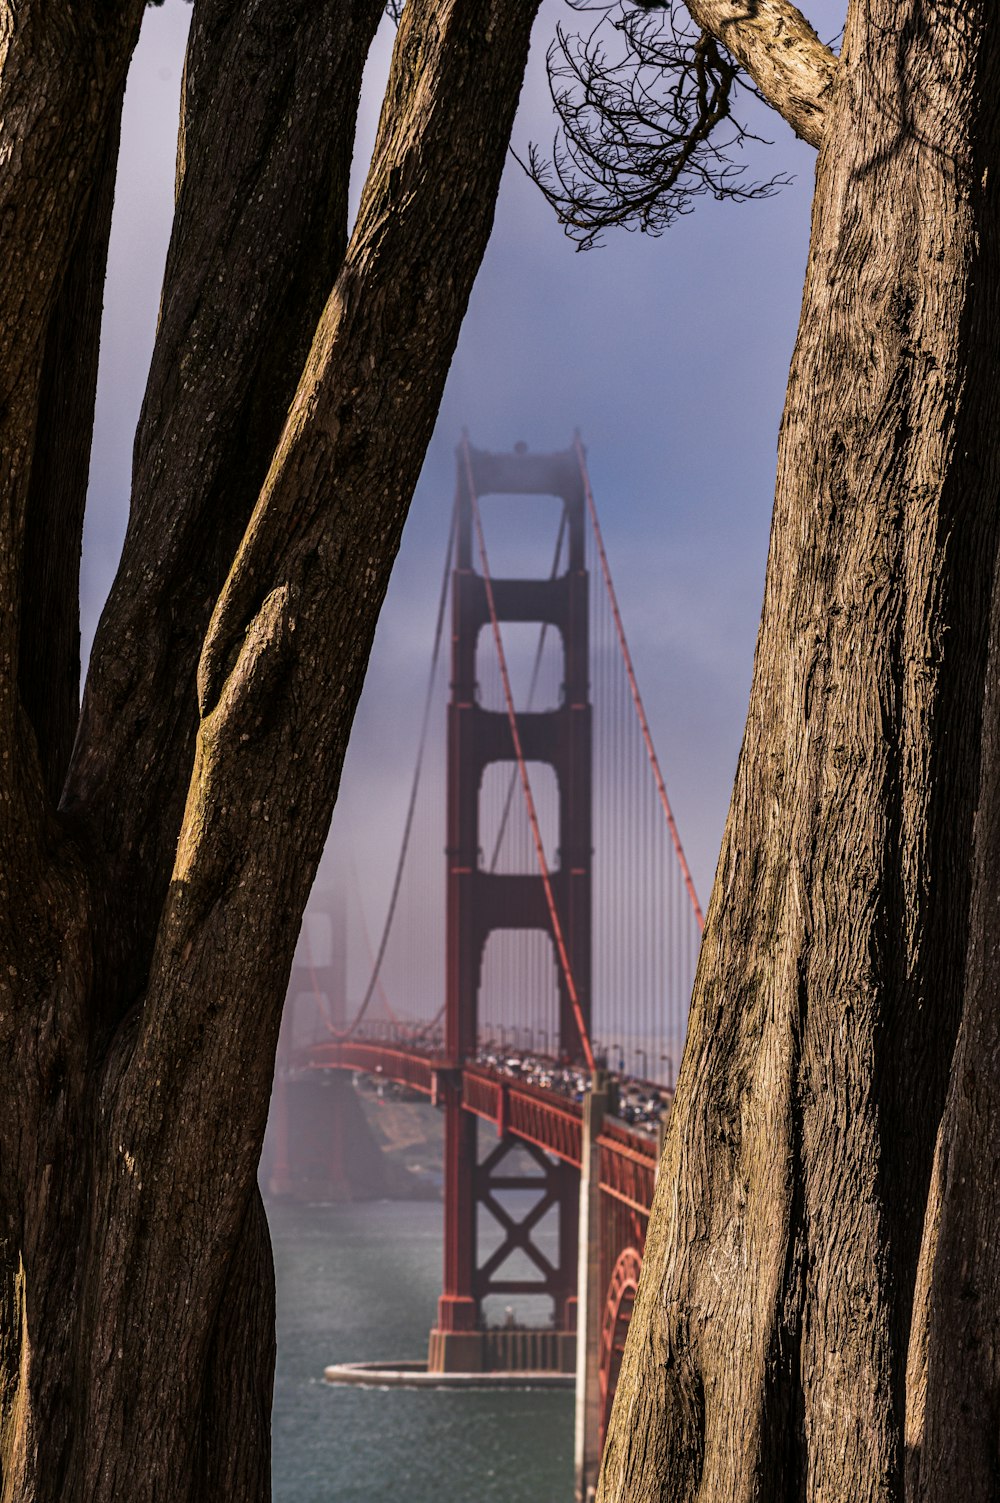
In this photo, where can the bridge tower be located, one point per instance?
(480, 901)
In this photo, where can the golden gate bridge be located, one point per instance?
(538, 978)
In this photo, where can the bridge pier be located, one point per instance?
(456, 1341)
(590, 1298)
(461, 1341)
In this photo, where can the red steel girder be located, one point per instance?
(546, 1119)
(627, 1166)
(407, 1067)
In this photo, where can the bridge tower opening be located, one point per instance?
(481, 900)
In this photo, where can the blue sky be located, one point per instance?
(670, 355)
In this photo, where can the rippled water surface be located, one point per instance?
(360, 1282)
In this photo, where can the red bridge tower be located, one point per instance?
(481, 901)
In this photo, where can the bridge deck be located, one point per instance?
(545, 1118)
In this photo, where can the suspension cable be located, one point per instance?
(661, 786)
(423, 1029)
(391, 1012)
(543, 866)
(408, 824)
(319, 996)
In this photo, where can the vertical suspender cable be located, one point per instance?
(634, 687)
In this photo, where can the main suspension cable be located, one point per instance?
(391, 1012)
(408, 825)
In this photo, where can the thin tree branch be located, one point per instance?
(646, 109)
(61, 75)
(794, 71)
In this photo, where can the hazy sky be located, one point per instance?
(670, 355)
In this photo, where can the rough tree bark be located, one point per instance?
(801, 1256)
(779, 49)
(149, 913)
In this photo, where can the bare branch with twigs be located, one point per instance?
(645, 105)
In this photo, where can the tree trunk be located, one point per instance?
(768, 1350)
(218, 391)
(49, 666)
(147, 927)
(953, 1378)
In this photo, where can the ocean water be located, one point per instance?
(360, 1282)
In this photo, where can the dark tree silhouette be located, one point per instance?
(157, 847)
(819, 1312)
